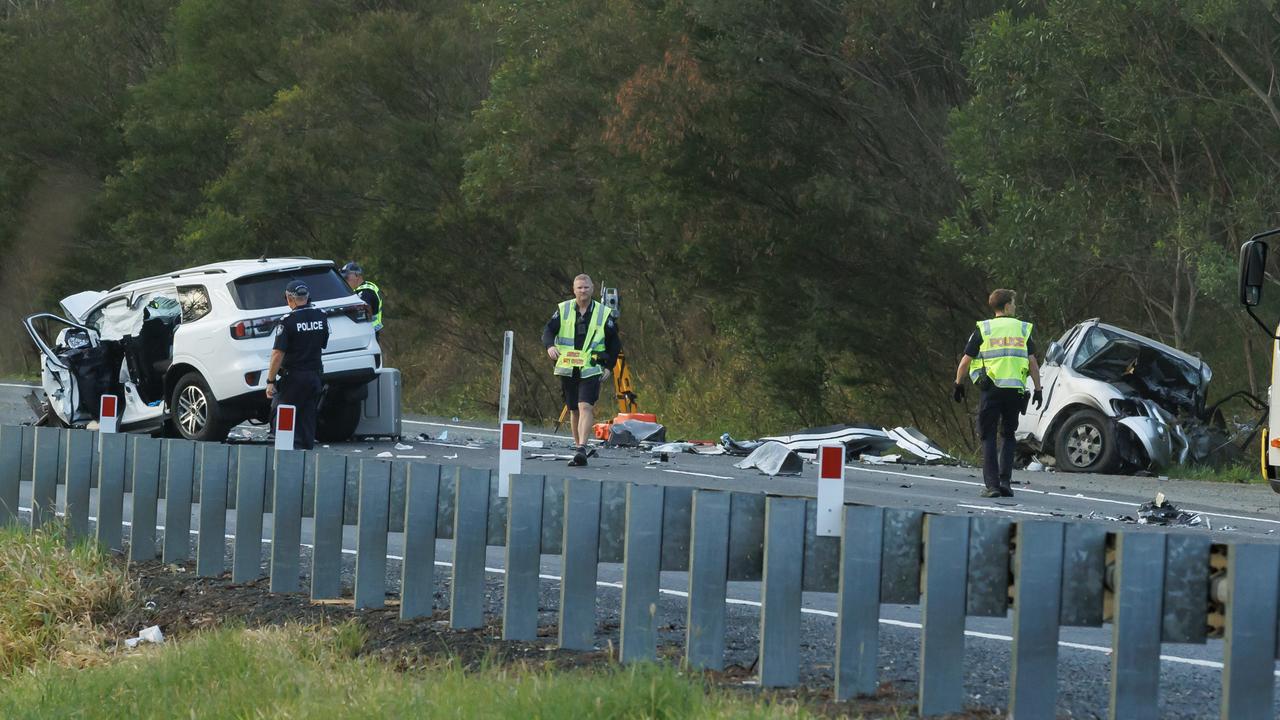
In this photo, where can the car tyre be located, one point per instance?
(195, 413)
(1086, 443)
(337, 418)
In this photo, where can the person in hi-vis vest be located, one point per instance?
(1000, 358)
(581, 338)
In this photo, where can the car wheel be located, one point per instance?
(195, 413)
(1086, 443)
(337, 418)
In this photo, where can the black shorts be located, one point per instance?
(577, 390)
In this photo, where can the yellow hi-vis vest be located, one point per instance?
(377, 317)
(1003, 353)
(591, 344)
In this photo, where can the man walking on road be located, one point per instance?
(581, 338)
(294, 373)
(999, 358)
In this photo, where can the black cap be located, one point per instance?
(350, 268)
(297, 288)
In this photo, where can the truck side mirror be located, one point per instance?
(1253, 265)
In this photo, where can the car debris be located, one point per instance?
(1119, 401)
(773, 458)
(146, 635)
(1162, 512)
(903, 443)
(630, 433)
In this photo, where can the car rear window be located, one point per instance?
(260, 292)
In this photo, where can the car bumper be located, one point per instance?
(1155, 437)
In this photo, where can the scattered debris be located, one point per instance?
(910, 444)
(630, 433)
(444, 434)
(673, 447)
(402, 446)
(384, 454)
(451, 457)
(773, 458)
(147, 635)
(1162, 512)
(1035, 466)
(532, 444)
(736, 447)
(880, 459)
(423, 436)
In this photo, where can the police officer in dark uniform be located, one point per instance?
(294, 375)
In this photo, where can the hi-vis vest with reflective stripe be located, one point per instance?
(377, 317)
(1003, 352)
(593, 342)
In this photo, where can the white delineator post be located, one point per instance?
(504, 394)
(109, 414)
(509, 455)
(286, 420)
(830, 489)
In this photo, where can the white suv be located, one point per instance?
(188, 351)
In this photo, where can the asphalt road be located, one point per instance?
(1190, 674)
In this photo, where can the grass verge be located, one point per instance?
(1242, 473)
(51, 596)
(298, 671)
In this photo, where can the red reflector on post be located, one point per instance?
(832, 462)
(284, 421)
(510, 436)
(108, 406)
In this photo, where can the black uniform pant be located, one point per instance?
(300, 388)
(998, 411)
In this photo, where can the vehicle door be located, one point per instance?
(1036, 421)
(152, 318)
(69, 353)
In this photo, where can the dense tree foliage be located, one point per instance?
(803, 203)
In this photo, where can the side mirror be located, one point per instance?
(1253, 265)
(1054, 354)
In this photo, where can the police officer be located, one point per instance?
(368, 292)
(581, 338)
(294, 375)
(999, 358)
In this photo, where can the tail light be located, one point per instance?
(357, 312)
(256, 328)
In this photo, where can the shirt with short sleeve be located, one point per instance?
(302, 336)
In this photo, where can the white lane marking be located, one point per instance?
(698, 474)
(1213, 664)
(411, 457)
(1076, 496)
(997, 508)
(24, 387)
(481, 429)
(464, 447)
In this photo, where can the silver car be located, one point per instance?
(1116, 400)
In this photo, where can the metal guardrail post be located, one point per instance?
(780, 592)
(708, 576)
(418, 570)
(858, 626)
(470, 541)
(10, 473)
(371, 534)
(251, 486)
(942, 612)
(523, 558)
(580, 548)
(330, 500)
(146, 493)
(79, 473)
(1249, 647)
(211, 543)
(642, 556)
(1037, 583)
(44, 474)
(179, 485)
(1135, 629)
(900, 563)
(286, 516)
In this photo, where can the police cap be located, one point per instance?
(297, 288)
(351, 268)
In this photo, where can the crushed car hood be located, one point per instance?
(1173, 380)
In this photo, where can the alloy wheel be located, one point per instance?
(193, 410)
(1084, 445)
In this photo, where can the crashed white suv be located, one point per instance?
(1114, 399)
(188, 351)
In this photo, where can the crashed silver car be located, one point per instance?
(1115, 400)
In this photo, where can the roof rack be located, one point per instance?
(205, 270)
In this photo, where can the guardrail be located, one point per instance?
(1152, 586)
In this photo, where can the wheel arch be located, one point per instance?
(1060, 418)
(174, 374)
